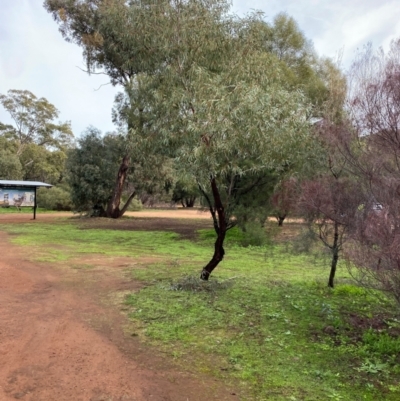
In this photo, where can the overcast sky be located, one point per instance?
(34, 56)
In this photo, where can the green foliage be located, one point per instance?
(349, 290)
(304, 242)
(33, 119)
(35, 146)
(43, 165)
(382, 344)
(92, 168)
(55, 198)
(250, 204)
(185, 192)
(10, 166)
(135, 205)
(253, 235)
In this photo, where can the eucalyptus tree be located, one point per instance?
(10, 166)
(124, 40)
(302, 66)
(35, 144)
(113, 40)
(33, 121)
(91, 169)
(225, 112)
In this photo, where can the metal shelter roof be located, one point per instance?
(12, 183)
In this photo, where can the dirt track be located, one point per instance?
(147, 213)
(60, 339)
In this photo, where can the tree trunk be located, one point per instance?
(127, 203)
(335, 255)
(189, 202)
(219, 251)
(113, 210)
(281, 220)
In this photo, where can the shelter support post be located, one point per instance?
(35, 206)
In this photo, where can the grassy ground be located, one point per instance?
(25, 209)
(266, 320)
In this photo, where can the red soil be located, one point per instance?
(63, 336)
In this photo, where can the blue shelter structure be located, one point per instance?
(20, 193)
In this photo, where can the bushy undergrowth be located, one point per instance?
(56, 198)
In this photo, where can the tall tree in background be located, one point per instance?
(284, 198)
(35, 140)
(10, 165)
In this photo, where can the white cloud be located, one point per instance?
(35, 57)
(337, 24)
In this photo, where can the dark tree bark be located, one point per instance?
(335, 255)
(189, 202)
(281, 219)
(113, 210)
(221, 228)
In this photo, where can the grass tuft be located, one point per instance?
(195, 284)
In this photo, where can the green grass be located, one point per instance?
(265, 322)
(25, 209)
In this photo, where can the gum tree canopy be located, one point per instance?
(225, 111)
(34, 146)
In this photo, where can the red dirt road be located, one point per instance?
(62, 339)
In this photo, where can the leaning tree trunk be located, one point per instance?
(113, 210)
(335, 255)
(219, 251)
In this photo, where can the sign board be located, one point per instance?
(17, 197)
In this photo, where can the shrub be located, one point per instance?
(349, 290)
(381, 343)
(135, 205)
(55, 198)
(254, 234)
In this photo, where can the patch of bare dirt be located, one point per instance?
(62, 338)
(178, 213)
(16, 218)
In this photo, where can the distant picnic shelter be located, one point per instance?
(20, 193)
